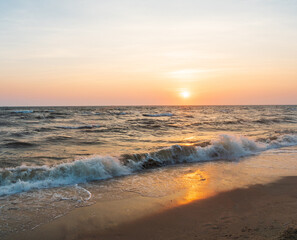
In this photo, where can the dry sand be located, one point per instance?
(257, 212)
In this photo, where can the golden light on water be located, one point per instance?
(196, 185)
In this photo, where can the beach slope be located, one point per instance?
(257, 212)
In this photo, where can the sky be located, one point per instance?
(154, 52)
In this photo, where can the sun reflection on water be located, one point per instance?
(196, 186)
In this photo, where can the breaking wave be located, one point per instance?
(226, 147)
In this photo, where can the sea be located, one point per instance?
(56, 159)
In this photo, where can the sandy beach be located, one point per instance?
(257, 212)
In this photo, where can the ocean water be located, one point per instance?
(53, 159)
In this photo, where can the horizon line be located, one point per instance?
(148, 105)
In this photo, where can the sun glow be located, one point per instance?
(185, 94)
(196, 185)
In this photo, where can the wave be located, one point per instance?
(282, 141)
(23, 111)
(264, 121)
(49, 110)
(43, 129)
(118, 113)
(7, 123)
(25, 178)
(226, 147)
(158, 115)
(79, 127)
(55, 138)
(275, 120)
(19, 144)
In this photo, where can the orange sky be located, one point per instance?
(132, 53)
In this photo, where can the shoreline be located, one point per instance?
(256, 212)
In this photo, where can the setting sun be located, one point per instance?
(185, 94)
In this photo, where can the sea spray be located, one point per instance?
(25, 178)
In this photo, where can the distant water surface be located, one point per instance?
(52, 135)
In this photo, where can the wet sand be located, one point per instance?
(257, 212)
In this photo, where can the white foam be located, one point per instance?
(23, 111)
(283, 141)
(25, 178)
(86, 191)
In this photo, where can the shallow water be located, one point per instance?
(159, 189)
